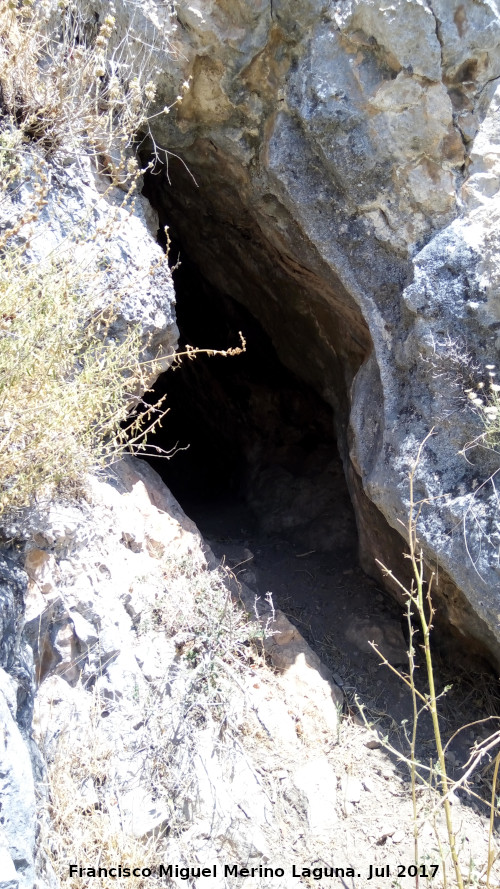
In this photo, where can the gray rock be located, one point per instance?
(352, 789)
(394, 28)
(329, 147)
(13, 583)
(84, 630)
(143, 816)
(17, 794)
(8, 877)
(386, 634)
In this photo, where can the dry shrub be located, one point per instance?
(66, 384)
(70, 83)
(65, 387)
(76, 826)
(485, 401)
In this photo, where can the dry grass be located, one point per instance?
(212, 633)
(71, 84)
(485, 400)
(77, 826)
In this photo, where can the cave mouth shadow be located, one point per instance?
(264, 482)
(249, 434)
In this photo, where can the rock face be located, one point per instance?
(339, 176)
(133, 672)
(17, 792)
(37, 635)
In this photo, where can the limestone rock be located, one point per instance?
(317, 699)
(12, 591)
(18, 797)
(386, 634)
(393, 28)
(141, 815)
(229, 793)
(345, 160)
(449, 337)
(483, 180)
(65, 633)
(351, 790)
(275, 716)
(17, 836)
(9, 879)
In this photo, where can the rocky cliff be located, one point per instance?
(333, 167)
(338, 175)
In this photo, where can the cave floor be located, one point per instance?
(338, 609)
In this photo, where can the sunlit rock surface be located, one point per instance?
(337, 175)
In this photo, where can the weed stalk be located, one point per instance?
(419, 597)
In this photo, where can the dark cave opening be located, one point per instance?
(259, 467)
(246, 429)
(259, 471)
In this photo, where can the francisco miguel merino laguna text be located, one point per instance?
(235, 870)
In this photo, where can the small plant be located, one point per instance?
(10, 168)
(77, 823)
(419, 604)
(71, 84)
(60, 381)
(485, 399)
(196, 609)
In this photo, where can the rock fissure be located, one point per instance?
(438, 31)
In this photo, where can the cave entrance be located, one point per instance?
(258, 470)
(251, 437)
(262, 476)
(258, 467)
(264, 429)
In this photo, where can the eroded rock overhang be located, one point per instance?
(337, 175)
